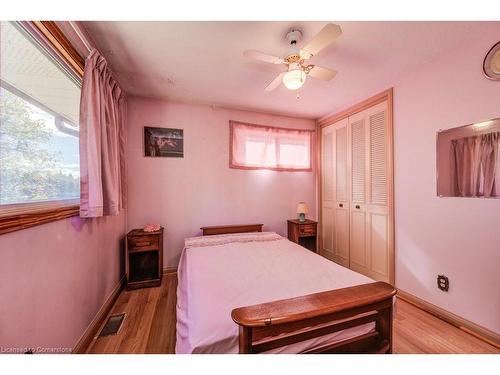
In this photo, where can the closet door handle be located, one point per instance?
(357, 206)
(341, 205)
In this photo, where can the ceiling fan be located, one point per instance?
(295, 59)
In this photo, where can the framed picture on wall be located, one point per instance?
(163, 142)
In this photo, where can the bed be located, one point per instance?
(241, 290)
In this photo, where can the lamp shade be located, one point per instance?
(302, 208)
(294, 79)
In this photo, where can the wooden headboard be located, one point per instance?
(225, 229)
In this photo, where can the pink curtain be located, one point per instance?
(475, 165)
(102, 140)
(266, 147)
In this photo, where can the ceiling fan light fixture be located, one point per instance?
(294, 79)
(295, 75)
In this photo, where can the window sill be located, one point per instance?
(276, 169)
(17, 217)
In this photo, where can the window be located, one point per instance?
(39, 111)
(264, 147)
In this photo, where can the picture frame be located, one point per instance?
(163, 142)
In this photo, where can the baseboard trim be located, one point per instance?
(465, 325)
(92, 329)
(169, 270)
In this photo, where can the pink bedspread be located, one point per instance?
(219, 273)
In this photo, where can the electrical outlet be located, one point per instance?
(443, 283)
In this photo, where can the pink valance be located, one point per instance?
(267, 147)
(102, 140)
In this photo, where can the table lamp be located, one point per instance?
(302, 211)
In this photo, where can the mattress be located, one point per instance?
(219, 273)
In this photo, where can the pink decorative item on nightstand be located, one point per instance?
(151, 228)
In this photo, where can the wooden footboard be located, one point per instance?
(279, 323)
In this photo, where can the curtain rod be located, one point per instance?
(82, 37)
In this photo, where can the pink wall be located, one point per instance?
(200, 189)
(458, 237)
(54, 278)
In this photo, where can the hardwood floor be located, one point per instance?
(149, 327)
(418, 332)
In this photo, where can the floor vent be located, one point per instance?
(113, 325)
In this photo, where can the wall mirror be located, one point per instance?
(468, 160)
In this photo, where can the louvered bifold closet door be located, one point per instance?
(342, 193)
(358, 258)
(378, 208)
(327, 192)
(357, 211)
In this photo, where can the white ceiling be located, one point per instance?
(202, 62)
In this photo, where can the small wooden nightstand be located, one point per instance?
(144, 258)
(305, 234)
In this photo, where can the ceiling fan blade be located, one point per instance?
(253, 54)
(322, 39)
(275, 83)
(322, 73)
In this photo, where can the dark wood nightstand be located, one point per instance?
(144, 258)
(305, 234)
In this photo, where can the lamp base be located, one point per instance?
(302, 218)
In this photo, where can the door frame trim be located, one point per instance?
(386, 95)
